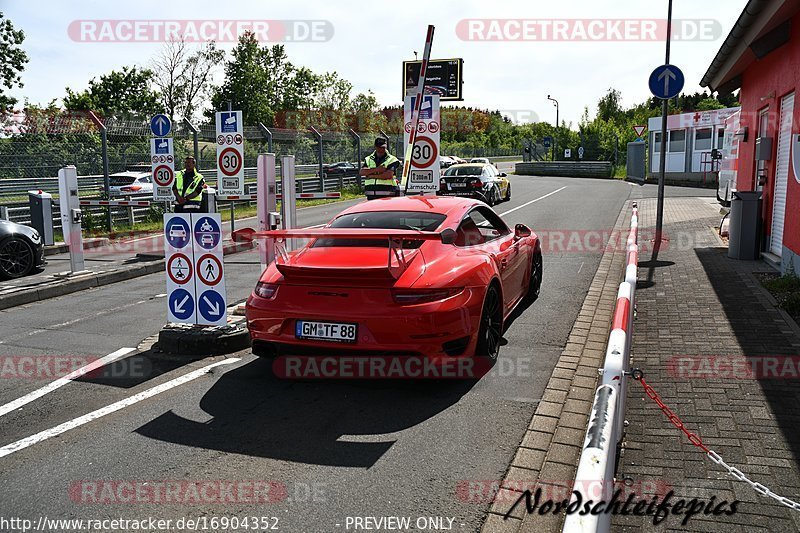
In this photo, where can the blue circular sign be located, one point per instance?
(211, 305)
(207, 233)
(666, 82)
(177, 232)
(160, 125)
(181, 304)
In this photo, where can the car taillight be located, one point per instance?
(132, 188)
(477, 184)
(421, 296)
(266, 290)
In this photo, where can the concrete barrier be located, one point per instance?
(570, 169)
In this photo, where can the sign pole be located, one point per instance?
(420, 93)
(663, 155)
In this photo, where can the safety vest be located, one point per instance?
(193, 187)
(371, 163)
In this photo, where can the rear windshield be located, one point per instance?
(409, 220)
(473, 170)
(121, 180)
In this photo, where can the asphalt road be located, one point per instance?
(333, 450)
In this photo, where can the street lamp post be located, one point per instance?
(555, 138)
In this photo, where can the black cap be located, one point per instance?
(380, 141)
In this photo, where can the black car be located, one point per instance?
(475, 180)
(21, 250)
(342, 168)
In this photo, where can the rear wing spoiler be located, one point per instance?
(396, 262)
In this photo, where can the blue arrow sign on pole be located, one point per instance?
(160, 125)
(666, 82)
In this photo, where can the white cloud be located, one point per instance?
(373, 38)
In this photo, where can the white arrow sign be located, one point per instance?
(213, 307)
(667, 75)
(179, 306)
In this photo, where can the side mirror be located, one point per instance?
(521, 231)
(503, 174)
(448, 236)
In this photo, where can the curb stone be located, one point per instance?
(549, 453)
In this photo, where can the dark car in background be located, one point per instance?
(475, 180)
(342, 168)
(21, 250)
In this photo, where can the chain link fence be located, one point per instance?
(36, 144)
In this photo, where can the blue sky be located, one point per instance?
(372, 39)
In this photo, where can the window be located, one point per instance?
(720, 138)
(702, 139)
(480, 226)
(677, 141)
(472, 170)
(657, 142)
(406, 220)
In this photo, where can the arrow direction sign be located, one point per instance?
(213, 307)
(179, 307)
(666, 82)
(160, 125)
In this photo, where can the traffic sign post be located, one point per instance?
(162, 158)
(230, 153)
(194, 267)
(425, 171)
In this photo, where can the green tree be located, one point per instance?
(707, 104)
(12, 61)
(184, 76)
(117, 93)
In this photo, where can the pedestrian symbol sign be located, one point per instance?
(179, 269)
(195, 272)
(209, 269)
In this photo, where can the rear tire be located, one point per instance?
(16, 258)
(508, 194)
(535, 284)
(490, 333)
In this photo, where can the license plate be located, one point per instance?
(326, 331)
(458, 186)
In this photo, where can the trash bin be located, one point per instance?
(744, 233)
(41, 207)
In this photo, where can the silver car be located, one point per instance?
(130, 183)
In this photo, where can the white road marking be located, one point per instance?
(526, 204)
(114, 407)
(60, 382)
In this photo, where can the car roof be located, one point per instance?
(444, 205)
(131, 173)
(462, 165)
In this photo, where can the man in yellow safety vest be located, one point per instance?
(188, 187)
(379, 171)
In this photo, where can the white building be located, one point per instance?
(690, 139)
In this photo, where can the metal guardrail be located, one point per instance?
(19, 210)
(594, 480)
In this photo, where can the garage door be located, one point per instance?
(782, 174)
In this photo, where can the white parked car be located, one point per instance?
(484, 160)
(129, 183)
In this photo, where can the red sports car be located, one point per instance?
(425, 276)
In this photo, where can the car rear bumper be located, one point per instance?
(476, 195)
(437, 331)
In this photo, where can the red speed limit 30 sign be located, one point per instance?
(230, 153)
(424, 173)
